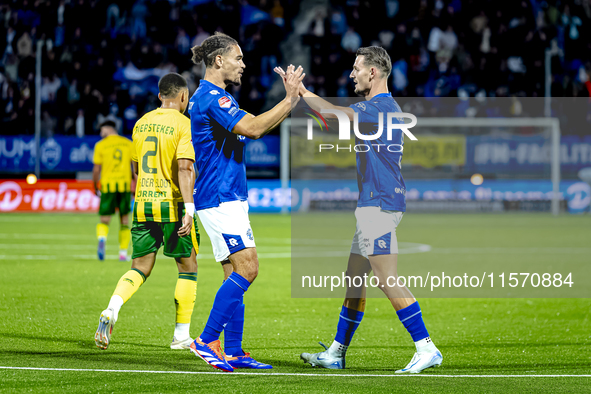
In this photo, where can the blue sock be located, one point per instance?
(227, 299)
(412, 319)
(233, 333)
(349, 320)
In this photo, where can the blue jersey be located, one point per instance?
(219, 153)
(378, 172)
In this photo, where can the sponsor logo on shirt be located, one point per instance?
(214, 92)
(225, 102)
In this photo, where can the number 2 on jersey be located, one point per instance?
(145, 167)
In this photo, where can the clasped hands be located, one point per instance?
(292, 80)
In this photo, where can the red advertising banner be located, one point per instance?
(48, 196)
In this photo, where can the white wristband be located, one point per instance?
(190, 209)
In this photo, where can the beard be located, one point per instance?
(236, 81)
(361, 92)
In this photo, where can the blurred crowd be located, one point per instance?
(101, 59)
(465, 48)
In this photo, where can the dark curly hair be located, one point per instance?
(171, 84)
(108, 123)
(218, 44)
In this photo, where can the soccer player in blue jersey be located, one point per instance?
(219, 130)
(379, 211)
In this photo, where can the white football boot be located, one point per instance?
(123, 255)
(102, 338)
(181, 344)
(421, 361)
(325, 359)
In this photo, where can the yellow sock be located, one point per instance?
(102, 230)
(129, 283)
(124, 237)
(184, 296)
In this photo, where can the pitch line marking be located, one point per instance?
(288, 374)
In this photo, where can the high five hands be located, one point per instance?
(292, 77)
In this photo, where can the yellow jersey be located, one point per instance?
(113, 154)
(160, 138)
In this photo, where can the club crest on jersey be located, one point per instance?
(361, 105)
(249, 234)
(225, 102)
(214, 92)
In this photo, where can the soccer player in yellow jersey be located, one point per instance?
(112, 182)
(163, 158)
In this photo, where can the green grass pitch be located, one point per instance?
(52, 290)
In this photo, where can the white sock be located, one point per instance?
(181, 331)
(116, 303)
(425, 345)
(337, 349)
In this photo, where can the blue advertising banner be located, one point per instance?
(268, 196)
(487, 154)
(305, 193)
(17, 154)
(68, 154)
(263, 152)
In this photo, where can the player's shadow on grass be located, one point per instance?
(113, 359)
(83, 344)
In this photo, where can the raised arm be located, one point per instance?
(257, 126)
(316, 102)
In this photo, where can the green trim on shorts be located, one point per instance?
(149, 236)
(111, 201)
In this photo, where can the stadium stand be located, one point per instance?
(102, 59)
